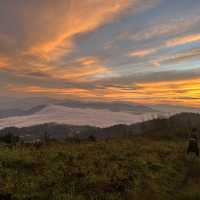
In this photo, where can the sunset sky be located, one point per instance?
(141, 51)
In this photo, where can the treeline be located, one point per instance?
(178, 125)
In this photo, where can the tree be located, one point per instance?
(9, 138)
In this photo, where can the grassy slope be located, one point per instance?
(129, 168)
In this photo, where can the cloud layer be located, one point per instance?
(144, 51)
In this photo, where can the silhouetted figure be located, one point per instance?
(193, 143)
(92, 138)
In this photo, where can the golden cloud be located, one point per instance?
(183, 40)
(4, 62)
(182, 92)
(142, 53)
(84, 69)
(52, 33)
(26, 89)
(39, 42)
(73, 21)
(79, 74)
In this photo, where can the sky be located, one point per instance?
(139, 51)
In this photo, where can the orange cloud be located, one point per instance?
(81, 70)
(79, 74)
(75, 92)
(182, 92)
(185, 92)
(37, 44)
(74, 21)
(183, 40)
(84, 69)
(4, 62)
(87, 60)
(144, 52)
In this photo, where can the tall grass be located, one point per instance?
(118, 169)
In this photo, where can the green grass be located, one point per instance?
(119, 169)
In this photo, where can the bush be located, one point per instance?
(9, 139)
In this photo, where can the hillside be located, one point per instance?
(145, 161)
(129, 168)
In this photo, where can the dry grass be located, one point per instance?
(127, 169)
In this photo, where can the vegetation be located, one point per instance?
(128, 168)
(9, 139)
(175, 126)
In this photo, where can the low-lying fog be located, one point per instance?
(75, 116)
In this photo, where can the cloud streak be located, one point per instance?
(72, 23)
(181, 92)
(144, 51)
(183, 40)
(4, 62)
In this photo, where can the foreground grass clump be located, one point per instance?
(118, 169)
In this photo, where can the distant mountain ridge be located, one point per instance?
(178, 125)
(75, 112)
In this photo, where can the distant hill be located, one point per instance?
(178, 125)
(53, 130)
